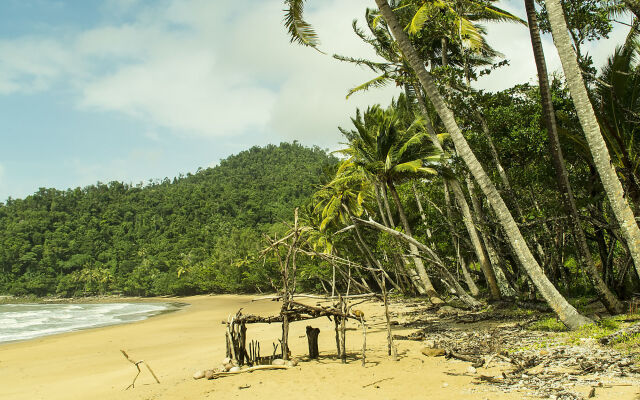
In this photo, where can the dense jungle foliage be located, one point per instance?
(193, 234)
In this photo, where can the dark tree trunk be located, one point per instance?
(312, 338)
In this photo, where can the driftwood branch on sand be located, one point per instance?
(137, 364)
(222, 374)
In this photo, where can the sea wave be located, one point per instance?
(28, 321)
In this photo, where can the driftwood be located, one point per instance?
(477, 362)
(315, 296)
(378, 381)
(251, 369)
(137, 364)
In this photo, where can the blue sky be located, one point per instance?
(133, 90)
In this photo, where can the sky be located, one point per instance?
(133, 90)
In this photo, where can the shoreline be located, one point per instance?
(168, 308)
(88, 363)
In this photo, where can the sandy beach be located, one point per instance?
(88, 364)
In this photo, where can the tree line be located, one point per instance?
(197, 233)
(528, 192)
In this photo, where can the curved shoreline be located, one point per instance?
(119, 319)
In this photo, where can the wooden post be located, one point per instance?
(343, 331)
(285, 337)
(228, 342)
(312, 338)
(336, 320)
(390, 346)
(364, 341)
(242, 344)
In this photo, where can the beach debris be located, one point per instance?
(212, 374)
(244, 387)
(278, 361)
(293, 362)
(137, 364)
(621, 334)
(433, 352)
(198, 375)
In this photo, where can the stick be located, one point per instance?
(385, 297)
(378, 381)
(137, 364)
(256, 368)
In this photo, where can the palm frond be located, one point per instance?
(300, 31)
(377, 82)
(419, 19)
(374, 66)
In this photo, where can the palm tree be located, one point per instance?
(396, 68)
(565, 311)
(390, 154)
(610, 301)
(597, 145)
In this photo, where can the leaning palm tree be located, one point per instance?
(597, 145)
(607, 297)
(390, 154)
(395, 68)
(565, 311)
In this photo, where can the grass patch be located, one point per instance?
(550, 324)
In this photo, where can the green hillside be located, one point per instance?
(181, 236)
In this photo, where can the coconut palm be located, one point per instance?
(391, 154)
(597, 145)
(562, 177)
(565, 311)
(396, 69)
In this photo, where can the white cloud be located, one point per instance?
(514, 42)
(199, 68)
(209, 69)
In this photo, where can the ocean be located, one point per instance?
(28, 321)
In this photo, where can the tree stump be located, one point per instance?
(312, 338)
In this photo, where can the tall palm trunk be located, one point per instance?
(610, 301)
(399, 261)
(494, 257)
(456, 243)
(485, 264)
(565, 311)
(467, 218)
(597, 146)
(422, 272)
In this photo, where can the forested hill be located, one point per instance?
(177, 236)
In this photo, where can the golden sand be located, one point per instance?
(88, 364)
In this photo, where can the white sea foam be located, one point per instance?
(28, 321)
